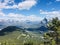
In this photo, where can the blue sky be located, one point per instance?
(30, 9)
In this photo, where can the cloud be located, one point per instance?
(24, 18)
(27, 4)
(13, 19)
(4, 4)
(50, 14)
(19, 17)
(57, 0)
(1, 13)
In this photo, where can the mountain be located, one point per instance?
(15, 31)
(10, 29)
(27, 24)
(42, 26)
(43, 23)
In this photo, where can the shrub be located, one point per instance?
(28, 43)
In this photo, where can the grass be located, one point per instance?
(11, 38)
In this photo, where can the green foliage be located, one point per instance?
(54, 25)
(53, 42)
(11, 38)
(28, 43)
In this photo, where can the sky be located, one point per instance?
(33, 10)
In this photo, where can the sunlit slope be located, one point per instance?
(20, 36)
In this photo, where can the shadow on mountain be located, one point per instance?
(9, 29)
(42, 28)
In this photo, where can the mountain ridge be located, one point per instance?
(28, 24)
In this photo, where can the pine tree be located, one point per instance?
(54, 25)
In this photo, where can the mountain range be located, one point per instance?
(27, 25)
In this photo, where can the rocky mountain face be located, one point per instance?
(42, 26)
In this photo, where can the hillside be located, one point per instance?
(13, 34)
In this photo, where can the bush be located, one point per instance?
(28, 43)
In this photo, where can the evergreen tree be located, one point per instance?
(54, 27)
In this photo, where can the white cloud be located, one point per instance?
(50, 14)
(5, 4)
(19, 17)
(57, 0)
(13, 19)
(27, 4)
(1, 13)
(34, 18)
(24, 18)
